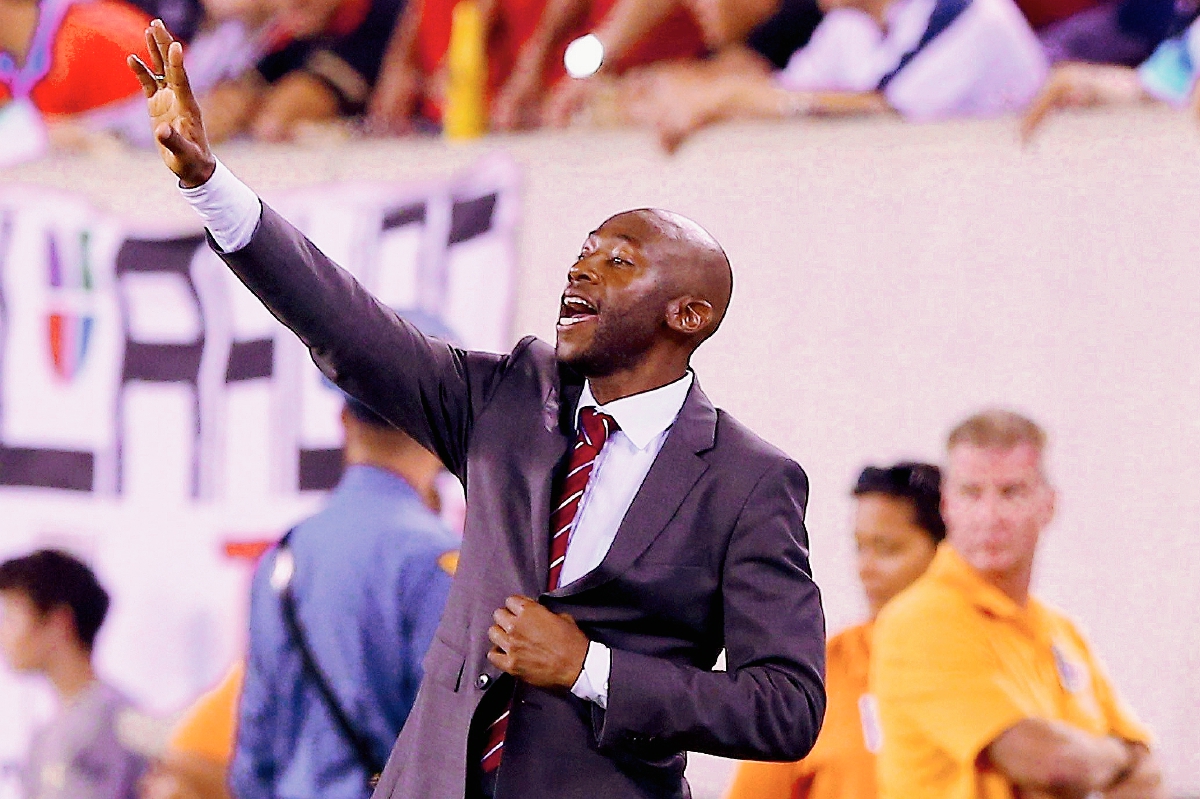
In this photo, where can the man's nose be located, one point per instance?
(582, 270)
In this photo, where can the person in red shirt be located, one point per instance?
(526, 42)
(67, 57)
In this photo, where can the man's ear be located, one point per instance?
(690, 316)
(62, 620)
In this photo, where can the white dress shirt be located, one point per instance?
(231, 211)
(987, 62)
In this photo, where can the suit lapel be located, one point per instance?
(670, 479)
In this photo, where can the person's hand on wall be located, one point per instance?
(573, 99)
(674, 103)
(1078, 85)
(297, 98)
(174, 113)
(230, 105)
(518, 103)
(393, 103)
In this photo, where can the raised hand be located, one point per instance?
(174, 112)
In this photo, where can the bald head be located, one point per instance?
(695, 264)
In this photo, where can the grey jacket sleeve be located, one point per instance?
(770, 701)
(422, 385)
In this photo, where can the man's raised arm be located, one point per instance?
(422, 385)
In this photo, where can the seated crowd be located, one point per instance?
(266, 68)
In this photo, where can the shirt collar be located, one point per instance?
(950, 568)
(642, 417)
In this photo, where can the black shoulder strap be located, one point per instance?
(944, 13)
(281, 580)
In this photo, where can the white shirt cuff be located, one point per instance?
(592, 683)
(230, 209)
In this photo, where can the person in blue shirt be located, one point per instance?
(369, 575)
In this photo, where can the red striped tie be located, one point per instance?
(594, 430)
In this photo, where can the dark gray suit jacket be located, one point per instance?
(711, 555)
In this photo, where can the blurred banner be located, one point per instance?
(156, 419)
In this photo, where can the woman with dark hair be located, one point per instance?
(897, 527)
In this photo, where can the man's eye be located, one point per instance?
(619, 261)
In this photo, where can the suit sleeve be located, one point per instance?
(424, 386)
(770, 701)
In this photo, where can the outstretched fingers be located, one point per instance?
(142, 72)
(177, 78)
(156, 55)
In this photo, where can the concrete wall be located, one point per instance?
(891, 279)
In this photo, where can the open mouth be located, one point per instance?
(575, 310)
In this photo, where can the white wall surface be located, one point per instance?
(891, 279)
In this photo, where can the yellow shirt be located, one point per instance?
(956, 663)
(209, 726)
(839, 766)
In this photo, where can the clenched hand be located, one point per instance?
(535, 645)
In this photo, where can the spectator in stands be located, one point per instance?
(183, 18)
(753, 35)
(411, 94)
(196, 763)
(68, 59)
(633, 33)
(1112, 32)
(1168, 76)
(983, 690)
(526, 42)
(53, 607)
(323, 61)
(897, 528)
(341, 616)
(925, 59)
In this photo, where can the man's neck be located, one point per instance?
(1013, 584)
(611, 388)
(71, 675)
(420, 473)
(18, 22)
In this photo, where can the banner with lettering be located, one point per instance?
(157, 421)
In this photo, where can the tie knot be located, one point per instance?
(596, 426)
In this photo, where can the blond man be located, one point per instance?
(983, 690)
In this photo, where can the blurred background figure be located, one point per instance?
(897, 528)
(319, 62)
(525, 44)
(195, 764)
(66, 59)
(983, 690)
(367, 577)
(53, 607)
(925, 59)
(1113, 32)
(1168, 76)
(632, 33)
(753, 36)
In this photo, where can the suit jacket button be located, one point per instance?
(482, 681)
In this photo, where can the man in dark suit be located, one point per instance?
(620, 530)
